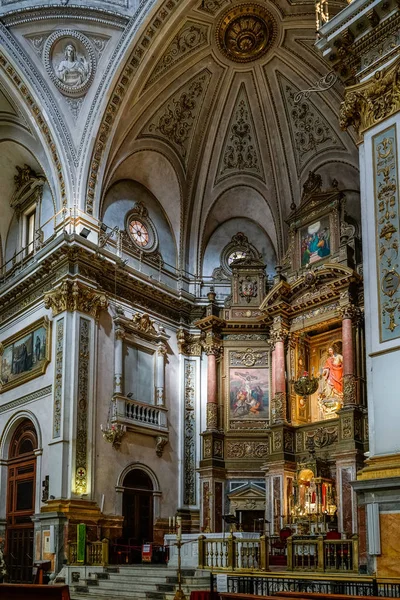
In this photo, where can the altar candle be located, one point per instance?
(178, 528)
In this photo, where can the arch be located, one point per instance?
(138, 466)
(12, 425)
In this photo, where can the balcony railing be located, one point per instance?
(96, 553)
(322, 554)
(233, 554)
(133, 413)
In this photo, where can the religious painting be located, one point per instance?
(249, 393)
(25, 355)
(330, 391)
(315, 242)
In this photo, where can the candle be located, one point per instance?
(178, 528)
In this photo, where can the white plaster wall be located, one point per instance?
(136, 447)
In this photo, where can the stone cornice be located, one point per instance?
(67, 257)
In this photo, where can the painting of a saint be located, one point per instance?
(24, 356)
(330, 394)
(315, 242)
(249, 397)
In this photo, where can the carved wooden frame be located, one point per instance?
(35, 372)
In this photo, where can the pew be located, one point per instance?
(26, 591)
(321, 596)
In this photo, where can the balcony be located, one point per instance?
(139, 416)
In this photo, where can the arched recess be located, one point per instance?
(20, 483)
(235, 203)
(138, 490)
(154, 170)
(122, 197)
(15, 154)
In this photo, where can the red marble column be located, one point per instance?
(273, 390)
(349, 380)
(280, 382)
(212, 390)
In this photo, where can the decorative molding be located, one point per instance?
(278, 408)
(143, 324)
(246, 337)
(46, 391)
(70, 61)
(175, 122)
(81, 454)
(245, 449)
(189, 433)
(387, 214)
(192, 36)
(251, 357)
(310, 131)
(189, 344)
(161, 442)
(73, 296)
(369, 103)
(213, 6)
(349, 390)
(246, 32)
(321, 437)
(241, 150)
(212, 416)
(346, 424)
(58, 378)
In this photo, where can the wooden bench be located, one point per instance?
(320, 596)
(24, 591)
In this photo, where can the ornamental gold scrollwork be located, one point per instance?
(161, 442)
(369, 103)
(247, 449)
(188, 344)
(349, 389)
(212, 416)
(74, 296)
(278, 408)
(249, 358)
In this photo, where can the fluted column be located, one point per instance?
(160, 375)
(349, 312)
(118, 359)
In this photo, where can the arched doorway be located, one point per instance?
(21, 484)
(137, 507)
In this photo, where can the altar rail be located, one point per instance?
(96, 553)
(272, 584)
(233, 554)
(321, 554)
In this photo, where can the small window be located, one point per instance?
(30, 231)
(139, 232)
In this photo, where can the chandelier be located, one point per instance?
(305, 385)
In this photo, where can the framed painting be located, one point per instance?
(315, 242)
(25, 355)
(249, 394)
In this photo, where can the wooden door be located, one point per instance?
(21, 484)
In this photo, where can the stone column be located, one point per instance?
(118, 359)
(273, 358)
(160, 374)
(349, 379)
(212, 387)
(279, 412)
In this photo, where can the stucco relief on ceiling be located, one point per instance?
(310, 131)
(175, 122)
(241, 151)
(246, 32)
(191, 37)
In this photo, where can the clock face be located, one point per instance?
(235, 255)
(139, 233)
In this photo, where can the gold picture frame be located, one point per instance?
(25, 355)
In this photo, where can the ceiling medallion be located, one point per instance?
(245, 32)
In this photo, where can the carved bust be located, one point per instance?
(74, 70)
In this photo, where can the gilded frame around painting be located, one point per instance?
(248, 389)
(25, 355)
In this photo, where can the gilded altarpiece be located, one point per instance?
(387, 232)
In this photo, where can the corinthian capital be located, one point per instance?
(349, 311)
(75, 296)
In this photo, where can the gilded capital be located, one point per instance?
(75, 296)
(370, 102)
(188, 344)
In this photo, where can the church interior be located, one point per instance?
(199, 288)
